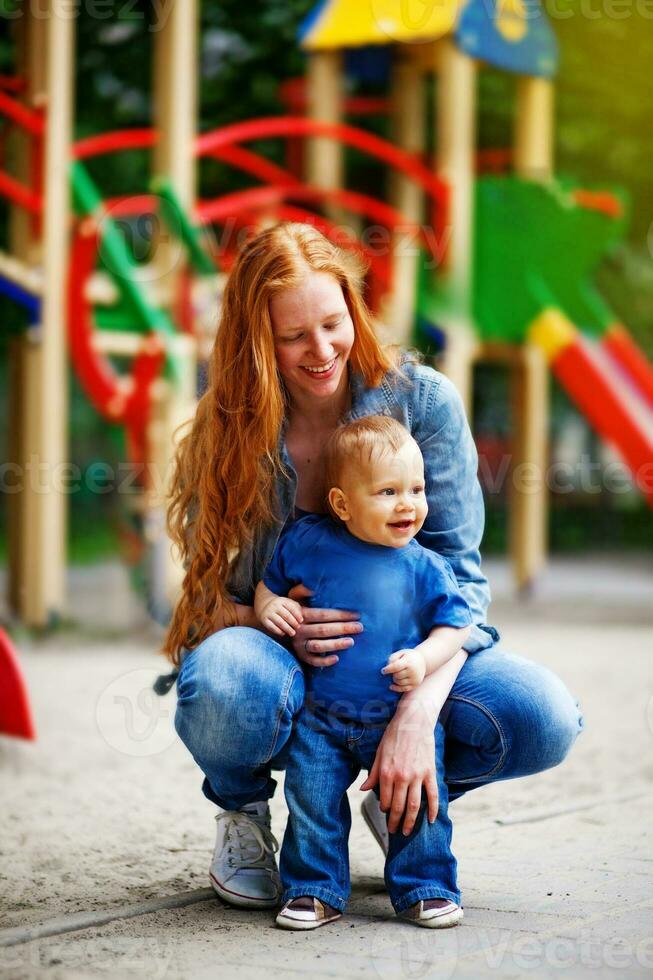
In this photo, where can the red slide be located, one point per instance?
(612, 400)
(15, 713)
(623, 349)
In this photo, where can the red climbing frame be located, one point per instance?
(125, 399)
(288, 126)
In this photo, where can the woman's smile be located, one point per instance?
(324, 372)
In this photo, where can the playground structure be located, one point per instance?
(483, 274)
(514, 281)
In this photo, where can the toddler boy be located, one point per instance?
(364, 557)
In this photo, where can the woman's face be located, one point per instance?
(313, 336)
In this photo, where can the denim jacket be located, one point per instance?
(428, 404)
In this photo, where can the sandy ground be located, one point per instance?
(104, 812)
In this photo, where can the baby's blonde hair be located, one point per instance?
(362, 441)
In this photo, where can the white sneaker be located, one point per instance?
(306, 913)
(433, 913)
(244, 870)
(376, 820)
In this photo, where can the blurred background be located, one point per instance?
(509, 237)
(491, 161)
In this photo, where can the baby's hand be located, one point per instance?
(408, 668)
(281, 615)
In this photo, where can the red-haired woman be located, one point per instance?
(294, 356)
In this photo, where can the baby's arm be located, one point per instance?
(409, 667)
(277, 613)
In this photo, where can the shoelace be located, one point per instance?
(252, 842)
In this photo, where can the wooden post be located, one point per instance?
(528, 524)
(456, 134)
(324, 157)
(408, 132)
(20, 245)
(175, 111)
(533, 128)
(38, 592)
(175, 95)
(14, 499)
(529, 503)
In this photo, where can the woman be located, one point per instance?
(295, 355)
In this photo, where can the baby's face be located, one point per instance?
(385, 501)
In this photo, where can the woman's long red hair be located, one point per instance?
(227, 464)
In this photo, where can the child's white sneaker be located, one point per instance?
(305, 913)
(244, 870)
(376, 820)
(433, 913)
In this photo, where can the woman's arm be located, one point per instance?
(408, 668)
(405, 758)
(441, 645)
(245, 616)
(456, 515)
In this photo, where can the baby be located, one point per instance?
(363, 557)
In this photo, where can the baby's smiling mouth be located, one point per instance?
(402, 525)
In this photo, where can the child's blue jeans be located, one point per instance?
(326, 755)
(240, 694)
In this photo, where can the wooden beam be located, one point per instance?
(529, 418)
(528, 525)
(176, 68)
(46, 364)
(175, 110)
(21, 274)
(529, 510)
(456, 146)
(101, 289)
(29, 36)
(533, 128)
(39, 410)
(119, 343)
(499, 352)
(408, 123)
(324, 100)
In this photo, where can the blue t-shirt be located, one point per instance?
(401, 594)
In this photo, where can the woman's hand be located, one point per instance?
(322, 631)
(404, 763)
(405, 759)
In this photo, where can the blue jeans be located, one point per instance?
(239, 693)
(326, 756)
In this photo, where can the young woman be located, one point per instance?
(295, 355)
